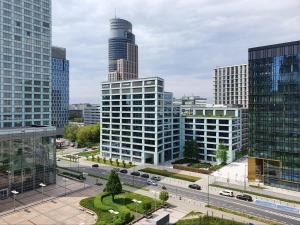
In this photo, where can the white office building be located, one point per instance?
(139, 121)
(91, 114)
(212, 125)
(231, 85)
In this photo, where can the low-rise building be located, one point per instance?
(91, 114)
(212, 125)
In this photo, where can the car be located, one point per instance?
(148, 216)
(151, 182)
(156, 178)
(135, 173)
(163, 187)
(72, 144)
(145, 175)
(58, 159)
(244, 197)
(226, 193)
(195, 186)
(123, 171)
(95, 165)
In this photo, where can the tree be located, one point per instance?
(191, 149)
(124, 164)
(111, 161)
(117, 162)
(130, 164)
(104, 160)
(164, 196)
(113, 185)
(146, 207)
(88, 135)
(98, 158)
(70, 132)
(222, 153)
(93, 158)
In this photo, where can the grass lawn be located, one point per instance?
(114, 163)
(167, 173)
(123, 203)
(89, 153)
(208, 220)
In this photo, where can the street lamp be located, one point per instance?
(14, 192)
(208, 189)
(136, 203)
(42, 185)
(114, 214)
(65, 179)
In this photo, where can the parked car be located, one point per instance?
(244, 197)
(72, 144)
(151, 182)
(145, 175)
(195, 186)
(163, 187)
(226, 193)
(135, 173)
(95, 165)
(148, 216)
(156, 178)
(123, 171)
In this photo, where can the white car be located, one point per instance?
(226, 193)
(151, 182)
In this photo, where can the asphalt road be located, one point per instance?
(220, 201)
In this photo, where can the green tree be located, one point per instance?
(130, 164)
(88, 135)
(222, 151)
(104, 160)
(124, 164)
(111, 161)
(191, 149)
(117, 162)
(113, 185)
(146, 207)
(164, 196)
(98, 159)
(93, 158)
(70, 132)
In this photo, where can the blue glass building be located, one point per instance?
(274, 115)
(60, 89)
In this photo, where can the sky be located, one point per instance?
(181, 41)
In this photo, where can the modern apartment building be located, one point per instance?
(122, 52)
(139, 121)
(27, 151)
(91, 114)
(211, 125)
(274, 115)
(60, 89)
(231, 85)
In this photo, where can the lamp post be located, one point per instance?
(136, 203)
(114, 214)
(14, 192)
(208, 189)
(65, 179)
(42, 185)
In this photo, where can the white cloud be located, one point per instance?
(183, 40)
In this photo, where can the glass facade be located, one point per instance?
(27, 158)
(60, 88)
(274, 114)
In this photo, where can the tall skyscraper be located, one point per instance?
(231, 85)
(122, 52)
(274, 114)
(60, 89)
(27, 151)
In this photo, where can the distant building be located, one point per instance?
(60, 89)
(122, 51)
(274, 115)
(188, 102)
(211, 125)
(91, 114)
(231, 85)
(76, 110)
(139, 122)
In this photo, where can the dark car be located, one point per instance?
(135, 173)
(156, 178)
(163, 187)
(123, 171)
(245, 197)
(95, 165)
(116, 169)
(195, 186)
(145, 175)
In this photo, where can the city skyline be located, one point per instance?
(208, 31)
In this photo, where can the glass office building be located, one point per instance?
(26, 138)
(60, 89)
(274, 115)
